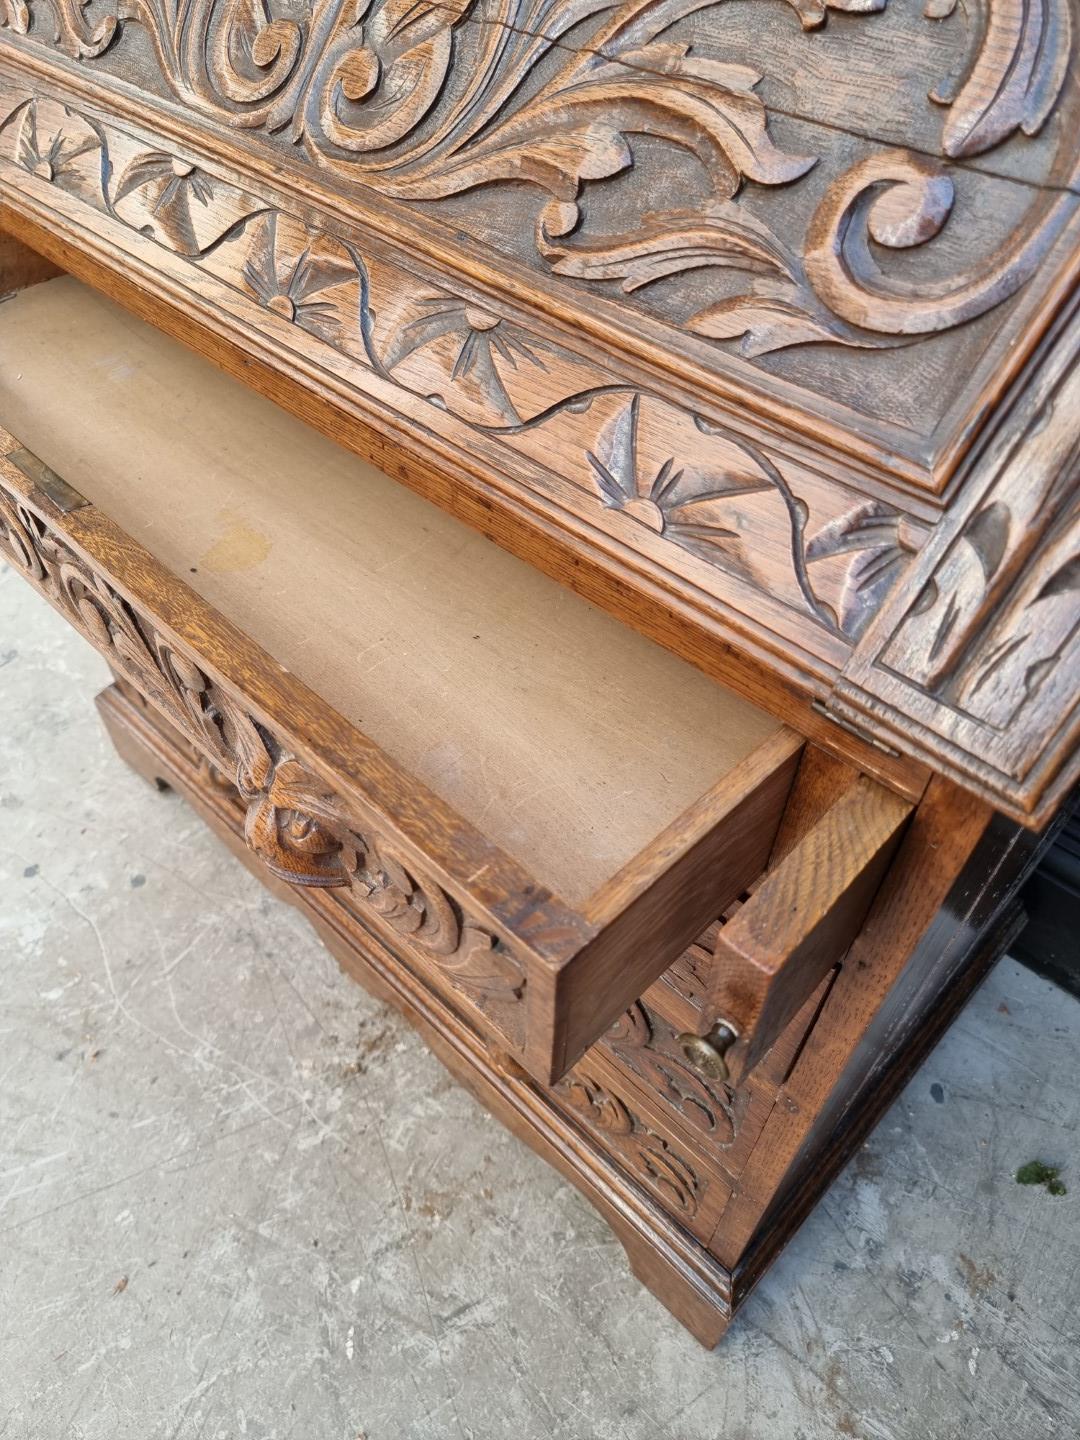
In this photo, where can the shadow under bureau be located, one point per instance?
(681, 818)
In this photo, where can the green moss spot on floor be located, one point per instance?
(1036, 1173)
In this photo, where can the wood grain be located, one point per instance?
(21, 267)
(801, 919)
(920, 910)
(326, 808)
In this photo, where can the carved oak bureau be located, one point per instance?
(681, 818)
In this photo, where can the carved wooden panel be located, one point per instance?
(647, 1045)
(981, 655)
(675, 1173)
(779, 177)
(727, 302)
(302, 830)
(636, 463)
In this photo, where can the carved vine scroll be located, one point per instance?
(646, 1044)
(294, 821)
(648, 1156)
(676, 474)
(427, 102)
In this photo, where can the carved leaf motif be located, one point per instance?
(665, 500)
(779, 309)
(879, 544)
(1063, 581)
(170, 194)
(576, 129)
(245, 54)
(484, 347)
(293, 820)
(50, 141)
(75, 36)
(377, 83)
(708, 1107)
(771, 316)
(898, 199)
(15, 14)
(1017, 75)
(648, 1155)
(304, 276)
(669, 244)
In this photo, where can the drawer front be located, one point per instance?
(721, 1120)
(325, 807)
(677, 1174)
(488, 1002)
(646, 1047)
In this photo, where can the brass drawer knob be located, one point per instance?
(706, 1052)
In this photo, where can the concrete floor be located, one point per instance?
(239, 1199)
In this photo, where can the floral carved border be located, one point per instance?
(808, 542)
(293, 820)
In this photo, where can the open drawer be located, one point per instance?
(504, 783)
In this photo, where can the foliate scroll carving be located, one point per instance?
(427, 102)
(997, 623)
(302, 830)
(1015, 75)
(647, 1046)
(674, 473)
(977, 660)
(651, 1158)
(899, 200)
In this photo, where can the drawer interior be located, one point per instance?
(567, 739)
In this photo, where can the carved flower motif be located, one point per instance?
(168, 189)
(290, 272)
(664, 499)
(480, 342)
(52, 154)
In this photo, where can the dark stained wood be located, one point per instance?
(801, 919)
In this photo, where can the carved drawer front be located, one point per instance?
(534, 802)
(645, 1047)
(676, 1173)
(651, 1052)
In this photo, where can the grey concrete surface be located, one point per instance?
(239, 1199)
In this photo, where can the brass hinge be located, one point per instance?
(64, 496)
(821, 708)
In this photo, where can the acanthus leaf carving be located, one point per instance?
(650, 1156)
(646, 1045)
(898, 200)
(1015, 77)
(779, 309)
(372, 89)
